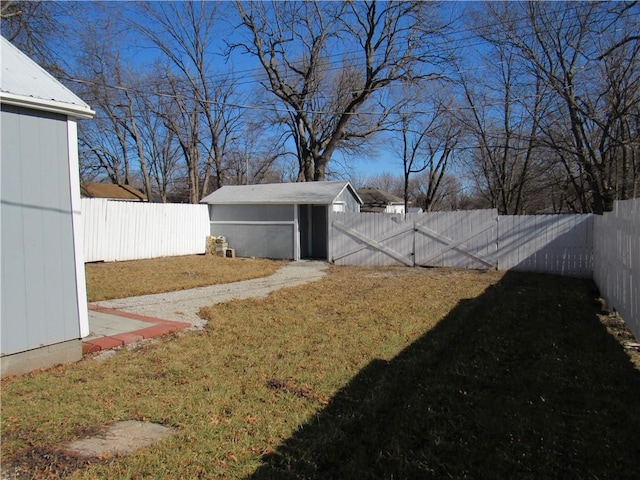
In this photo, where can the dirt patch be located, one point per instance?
(289, 386)
(96, 445)
(40, 462)
(619, 330)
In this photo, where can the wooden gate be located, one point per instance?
(445, 239)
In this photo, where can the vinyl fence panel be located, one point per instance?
(116, 230)
(556, 244)
(94, 214)
(465, 239)
(617, 260)
(446, 239)
(371, 239)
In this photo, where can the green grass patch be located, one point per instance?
(368, 373)
(106, 281)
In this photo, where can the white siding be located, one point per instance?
(394, 209)
(78, 234)
(38, 277)
(617, 260)
(116, 230)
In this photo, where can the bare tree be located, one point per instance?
(184, 33)
(105, 140)
(183, 120)
(387, 182)
(115, 92)
(619, 67)
(323, 94)
(101, 151)
(35, 28)
(162, 151)
(583, 52)
(504, 105)
(450, 195)
(427, 134)
(255, 155)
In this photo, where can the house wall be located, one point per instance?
(39, 294)
(265, 231)
(394, 209)
(348, 200)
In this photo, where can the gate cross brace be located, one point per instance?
(451, 245)
(377, 245)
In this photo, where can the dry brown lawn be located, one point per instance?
(367, 373)
(106, 281)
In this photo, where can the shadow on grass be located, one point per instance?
(521, 382)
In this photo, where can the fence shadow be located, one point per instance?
(520, 382)
(555, 244)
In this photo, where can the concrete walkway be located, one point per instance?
(114, 323)
(110, 328)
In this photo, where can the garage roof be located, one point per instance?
(24, 83)
(316, 193)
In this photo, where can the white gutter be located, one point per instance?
(69, 109)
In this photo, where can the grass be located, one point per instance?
(368, 373)
(106, 281)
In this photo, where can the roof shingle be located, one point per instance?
(112, 191)
(318, 193)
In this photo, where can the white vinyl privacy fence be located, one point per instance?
(617, 260)
(558, 244)
(605, 248)
(116, 230)
(444, 239)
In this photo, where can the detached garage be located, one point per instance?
(280, 220)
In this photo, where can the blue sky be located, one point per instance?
(378, 159)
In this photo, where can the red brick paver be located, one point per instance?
(157, 328)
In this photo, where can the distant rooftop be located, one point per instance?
(111, 191)
(376, 200)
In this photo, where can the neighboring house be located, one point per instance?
(111, 191)
(378, 201)
(282, 220)
(43, 292)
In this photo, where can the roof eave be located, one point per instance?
(353, 191)
(211, 200)
(76, 111)
(265, 202)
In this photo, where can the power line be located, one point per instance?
(139, 88)
(468, 33)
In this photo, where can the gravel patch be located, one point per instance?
(183, 305)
